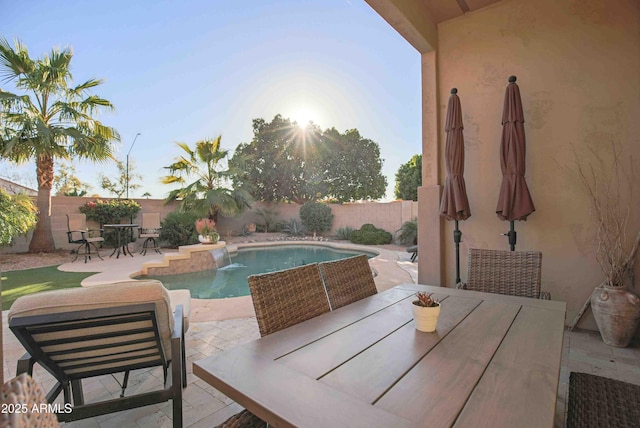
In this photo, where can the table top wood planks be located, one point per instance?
(493, 361)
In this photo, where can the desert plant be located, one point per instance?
(368, 234)
(344, 233)
(269, 217)
(293, 228)
(408, 232)
(316, 217)
(178, 228)
(425, 300)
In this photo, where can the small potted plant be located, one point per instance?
(206, 228)
(425, 311)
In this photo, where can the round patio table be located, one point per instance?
(121, 238)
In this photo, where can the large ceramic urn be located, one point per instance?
(617, 313)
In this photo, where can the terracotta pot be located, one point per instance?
(617, 313)
(426, 318)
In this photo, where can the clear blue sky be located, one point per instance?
(188, 70)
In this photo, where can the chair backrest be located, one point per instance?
(287, 297)
(348, 280)
(151, 220)
(76, 224)
(516, 273)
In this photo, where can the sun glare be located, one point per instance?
(303, 115)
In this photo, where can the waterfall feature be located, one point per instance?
(221, 257)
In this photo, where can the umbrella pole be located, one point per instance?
(457, 235)
(512, 237)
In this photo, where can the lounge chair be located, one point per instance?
(347, 280)
(80, 333)
(78, 233)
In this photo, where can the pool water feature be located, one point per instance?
(230, 278)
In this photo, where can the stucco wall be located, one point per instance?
(578, 68)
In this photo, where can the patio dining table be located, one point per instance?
(493, 361)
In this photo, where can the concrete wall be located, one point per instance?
(578, 68)
(388, 216)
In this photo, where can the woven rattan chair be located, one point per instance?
(80, 333)
(596, 401)
(150, 231)
(78, 233)
(516, 273)
(347, 280)
(282, 299)
(24, 399)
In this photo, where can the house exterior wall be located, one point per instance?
(578, 69)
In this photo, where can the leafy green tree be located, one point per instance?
(67, 183)
(353, 166)
(17, 216)
(49, 120)
(316, 217)
(209, 194)
(118, 187)
(290, 163)
(408, 179)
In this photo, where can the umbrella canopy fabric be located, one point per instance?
(514, 201)
(454, 204)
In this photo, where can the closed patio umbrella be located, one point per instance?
(454, 204)
(514, 201)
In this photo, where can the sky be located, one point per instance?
(183, 71)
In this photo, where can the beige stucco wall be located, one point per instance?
(578, 68)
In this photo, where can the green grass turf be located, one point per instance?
(22, 282)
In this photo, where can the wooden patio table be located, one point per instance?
(493, 361)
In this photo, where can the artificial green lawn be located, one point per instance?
(22, 282)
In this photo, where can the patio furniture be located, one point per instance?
(367, 365)
(80, 333)
(122, 238)
(20, 395)
(414, 252)
(150, 231)
(347, 280)
(78, 233)
(596, 401)
(516, 273)
(287, 297)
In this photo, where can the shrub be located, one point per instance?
(408, 232)
(344, 233)
(316, 217)
(269, 218)
(18, 215)
(293, 228)
(368, 234)
(179, 228)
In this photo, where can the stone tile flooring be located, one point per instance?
(203, 406)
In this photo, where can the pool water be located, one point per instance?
(231, 280)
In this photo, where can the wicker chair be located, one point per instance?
(78, 233)
(348, 280)
(83, 332)
(282, 299)
(23, 393)
(150, 231)
(516, 273)
(596, 401)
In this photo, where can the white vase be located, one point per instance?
(426, 318)
(204, 239)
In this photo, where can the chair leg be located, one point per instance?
(77, 393)
(97, 251)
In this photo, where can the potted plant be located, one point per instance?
(206, 229)
(607, 183)
(425, 311)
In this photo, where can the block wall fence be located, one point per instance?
(386, 215)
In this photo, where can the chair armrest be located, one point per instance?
(178, 326)
(25, 365)
(90, 231)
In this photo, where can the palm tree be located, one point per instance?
(209, 193)
(50, 120)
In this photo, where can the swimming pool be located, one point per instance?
(231, 280)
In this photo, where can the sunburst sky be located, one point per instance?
(188, 70)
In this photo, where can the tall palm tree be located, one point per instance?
(50, 120)
(209, 193)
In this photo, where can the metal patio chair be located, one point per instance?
(150, 231)
(80, 333)
(78, 233)
(347, 280)
(516, 273)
